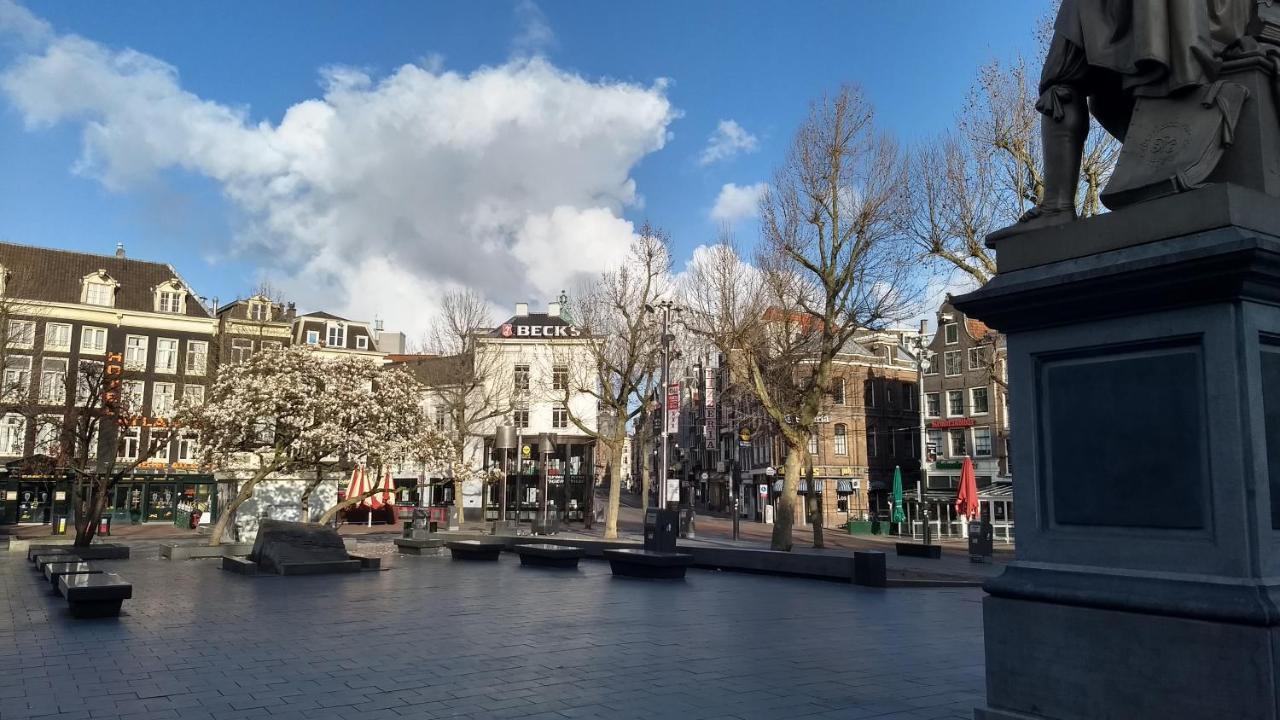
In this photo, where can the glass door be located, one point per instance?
(161, 498)
(33, 502)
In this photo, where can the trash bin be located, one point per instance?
(59, 524)
(660, 529)
(981, 541)
(104, 525)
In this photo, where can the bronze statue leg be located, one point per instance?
(1063, 134)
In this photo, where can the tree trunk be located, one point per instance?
(87, 522)
(645, 475)
(304, 503)
(815, 510)
(457, 502)
(785, 518)
(246, 492)
(615, 494)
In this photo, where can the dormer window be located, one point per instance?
(336, 335)
(260, 312)
(98, 288)
(171, 298)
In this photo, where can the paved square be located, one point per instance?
(435, 638)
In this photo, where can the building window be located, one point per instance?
(313, 337)
(135, 352)
(522, 378)
(982, 442)
(930, 366)
(958, 448)
(241, 349)
(955, 403)
(168, 301)
(932, 405)
(188, 446)
(520, 418)
(336, 336)
(559, 418)
(951, 362)
(935, 444)
(362, 342)
(978, 404)
(560, 377)
(89, 379)
(93, 340)
(197, 357)
(952, 333)
(99, 293)
(871, 442)
(53, 381)
(48, 436)
(130, 440)
(17, 378)
(977, 360)
(841, 440)
(22, 334)
(259, 311)
(162, 397)
(442, 418)
(870, 393)
(890, 397)
(13, 434)
(192, 395)
(166, 355)
(813, 443)
(132, 397)
(57, 337)
(909, 396)
(837, 391)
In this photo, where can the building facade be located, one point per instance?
(966, 415)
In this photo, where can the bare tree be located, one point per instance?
(832, 262)
(621, 351)
(464, 381)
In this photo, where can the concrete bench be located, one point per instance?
(419, 546)
(869, 568)
(95, 595)
(239, 565)
(368, 562)
(547, 555)
(58, 557)
(919, 550)
(475, 549)
(648, 563)
(320, 567)
(53, 571)
(36, 551)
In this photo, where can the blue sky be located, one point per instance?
(757, 64)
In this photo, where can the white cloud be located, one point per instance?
(18, 22)
(737, 202)
(535, 36)
(728, 140)
(375, 197)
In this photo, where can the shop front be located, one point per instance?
(33, 498)
(570, 484)
(159, 498)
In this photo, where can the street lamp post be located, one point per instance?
(506, 441)
(546, 446)
(922, 364)
(667, 307)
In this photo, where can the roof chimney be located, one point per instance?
(522, 309)
(119, 250)
(553, 309)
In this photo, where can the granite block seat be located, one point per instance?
(548, 555)
(36, 551)
(239, 565)
(634, 562)
(919, 550)
(95, 595)
(320, 567)
(419, 546)
(367, 562)
(869, 568)
(103, 551)
(46, 558)
(53, 571)
(475, 549)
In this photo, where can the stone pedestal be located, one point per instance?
(1144, 391)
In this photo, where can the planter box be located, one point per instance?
(193, 552)
(859, 527)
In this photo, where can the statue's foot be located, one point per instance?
(1034, 219)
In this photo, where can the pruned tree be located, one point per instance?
(621, 352)
(832, 262)
(464, 380)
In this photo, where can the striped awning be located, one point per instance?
(804, 485)
(844, 487)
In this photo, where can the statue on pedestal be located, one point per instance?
(1109, 58)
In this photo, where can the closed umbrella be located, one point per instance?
(967, 497)
(380, 500)
(898, 515)
(358, 486)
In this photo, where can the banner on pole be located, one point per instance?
(673, 408)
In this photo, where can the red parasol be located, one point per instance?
(358, 486)
(967, 499)
(380, 500)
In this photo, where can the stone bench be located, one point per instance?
(46, 558)
(98, 551)
(95, 595)
(239, 565)
(475, 549)
(368, 562)
(869, 568)
(53, 571)
(320, 567)
(648, 563)
(933, 552)
(419, 546)
(548, 555)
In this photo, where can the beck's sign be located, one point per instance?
(543, 331)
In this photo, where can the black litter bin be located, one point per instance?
(59, 524)
(981, 541)
(660, 529)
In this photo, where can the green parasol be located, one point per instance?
(898, 515)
